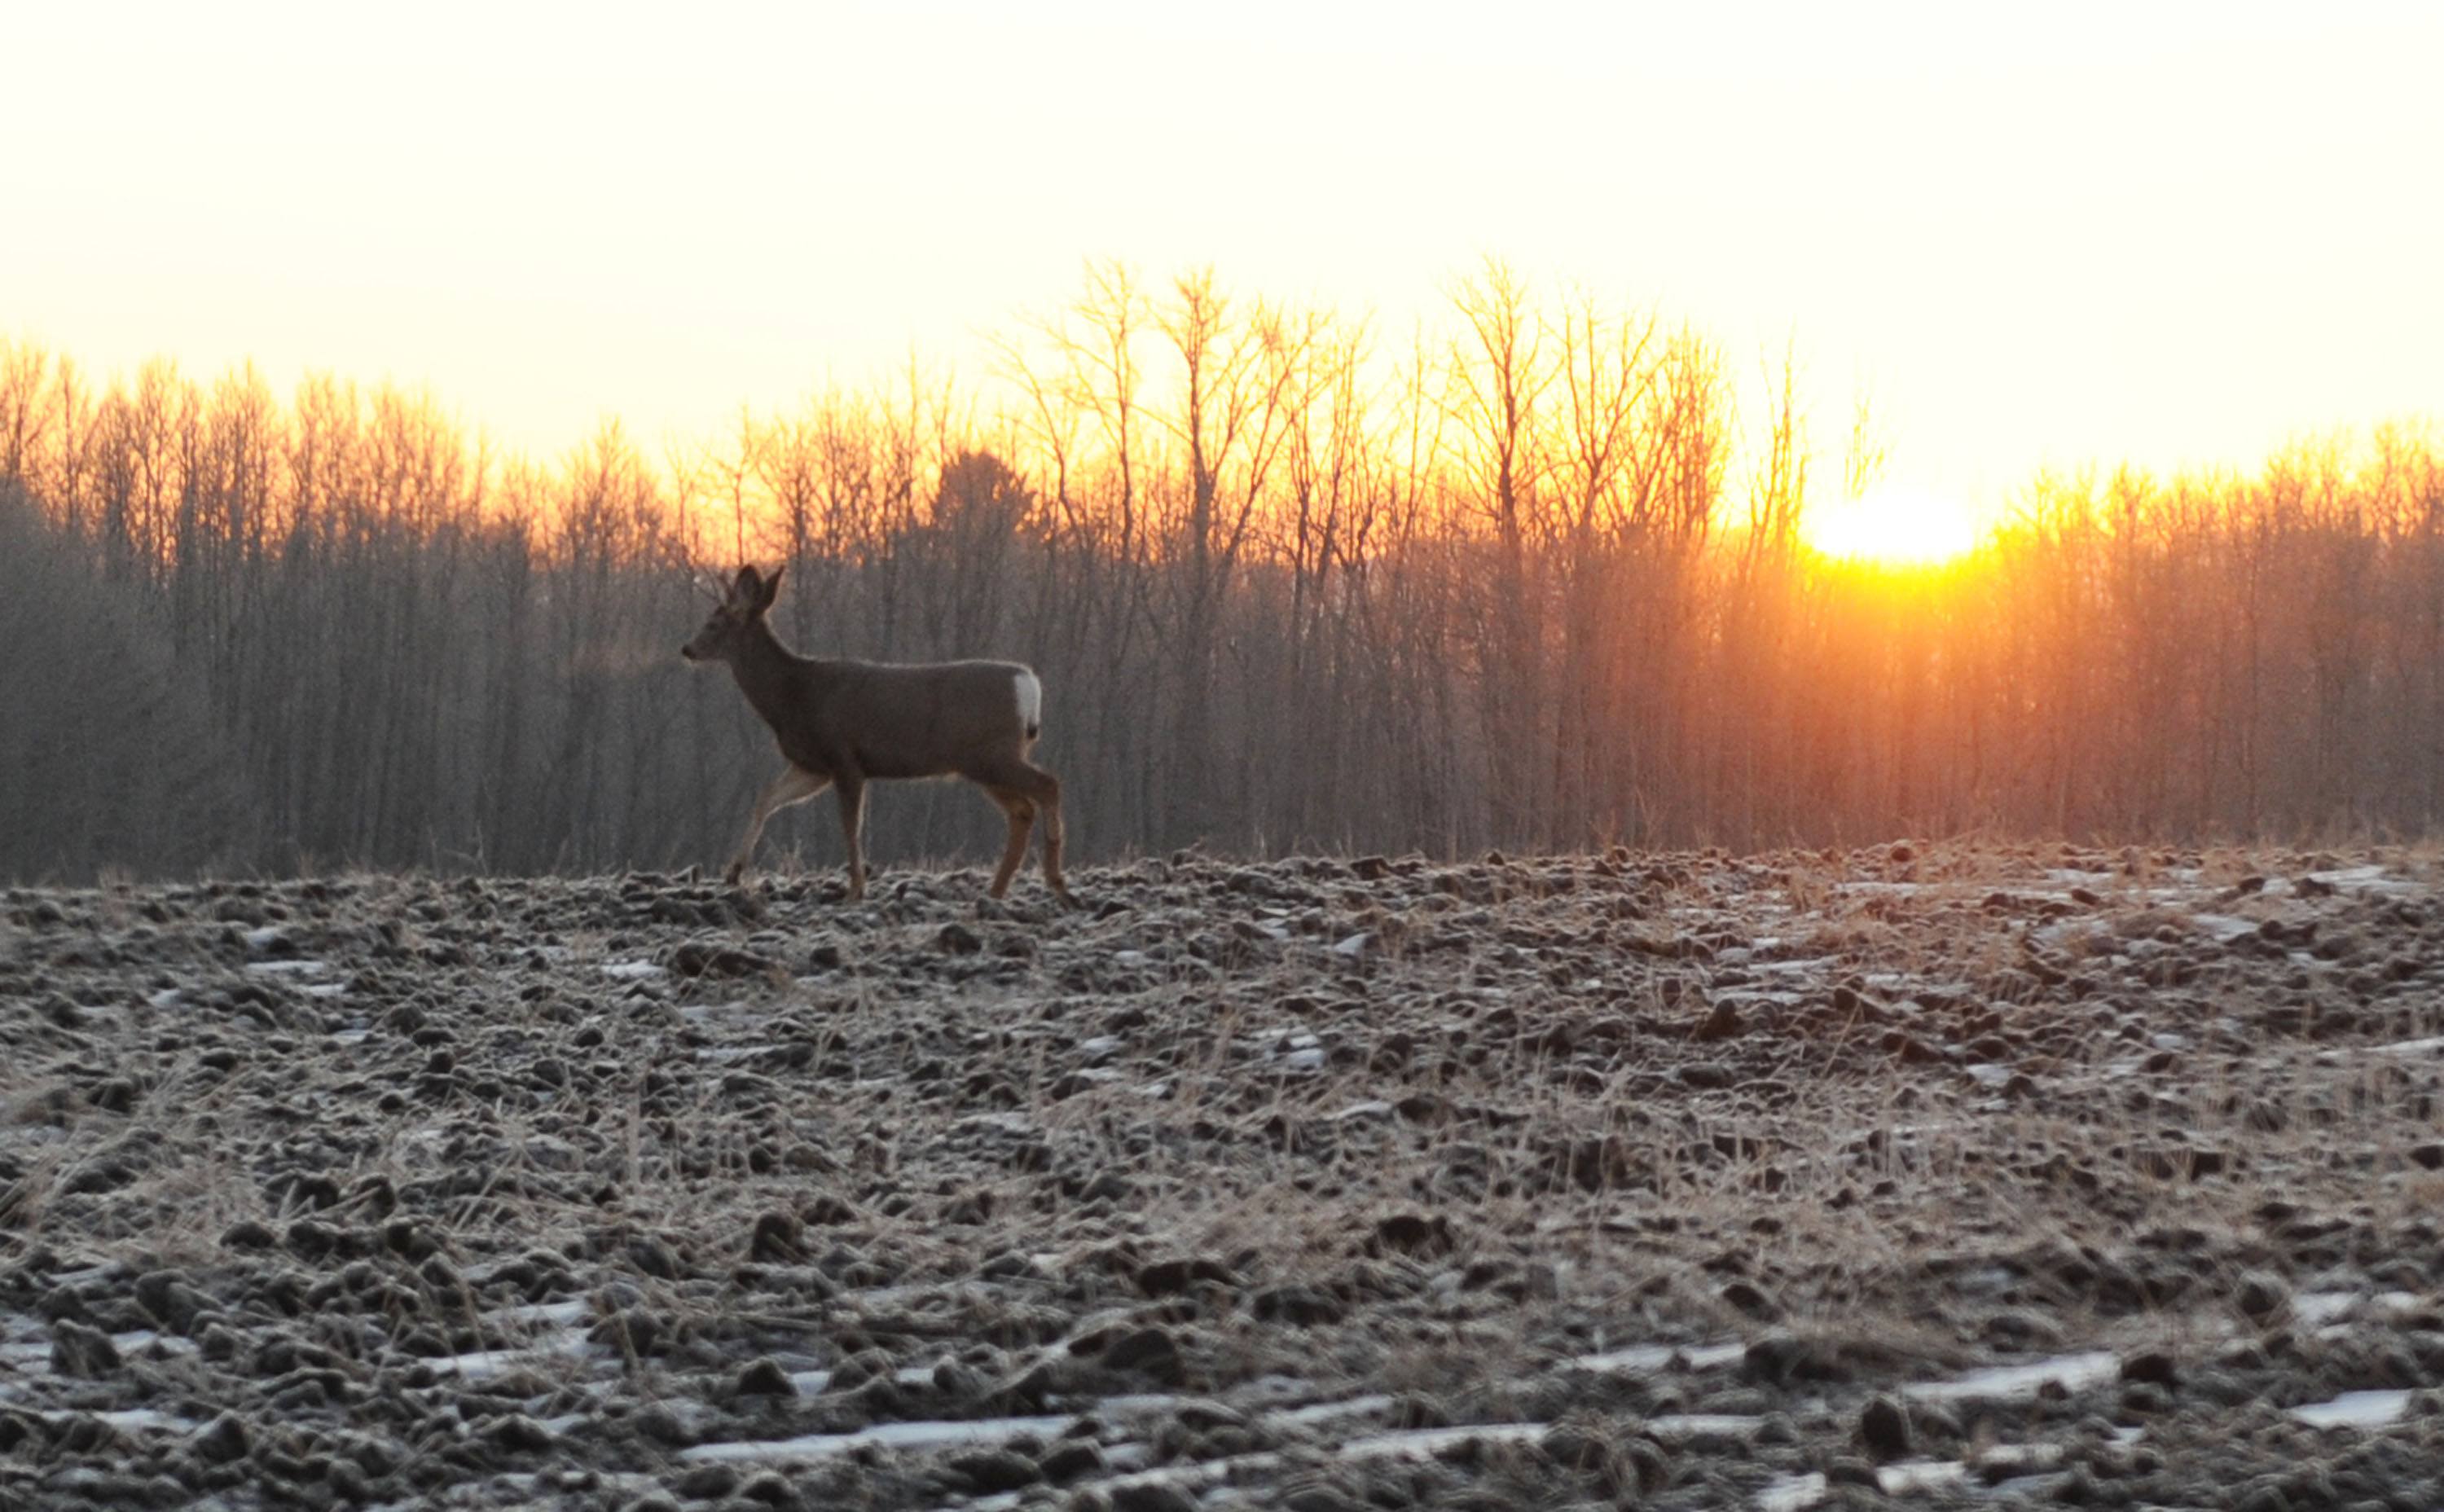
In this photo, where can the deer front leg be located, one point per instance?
(794, 785)
(852, 810)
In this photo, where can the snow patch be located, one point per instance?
(2070, 1372)
(2359, 1410)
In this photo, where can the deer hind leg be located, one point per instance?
(1021, 810)
(794, 785)
(852, 811)
(1047, 803)
(1041, 789)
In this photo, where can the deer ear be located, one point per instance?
(771, 586)
(745, 588)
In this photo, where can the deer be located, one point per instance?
(843, 723)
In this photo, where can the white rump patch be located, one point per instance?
(1030, 701)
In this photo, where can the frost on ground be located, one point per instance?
(1921, 1175)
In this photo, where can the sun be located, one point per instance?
(1896, 524)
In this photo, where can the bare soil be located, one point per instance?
(1928, 1175)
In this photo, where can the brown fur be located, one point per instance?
(841, 724)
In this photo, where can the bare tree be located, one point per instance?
(1524, 579)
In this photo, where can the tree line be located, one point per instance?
(1530, 580)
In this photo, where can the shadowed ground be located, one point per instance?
(1929, 1174)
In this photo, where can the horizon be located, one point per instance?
(2084, 244)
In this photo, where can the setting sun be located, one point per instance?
(1896, 524)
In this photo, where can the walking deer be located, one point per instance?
(841, 724)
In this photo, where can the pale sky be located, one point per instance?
(2174, 233)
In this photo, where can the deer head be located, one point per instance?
(740, 610)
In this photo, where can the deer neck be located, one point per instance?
(769, 675)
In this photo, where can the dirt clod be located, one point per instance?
(1884, 1429)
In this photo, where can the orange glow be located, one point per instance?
(622, 213)
(1896, 524)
